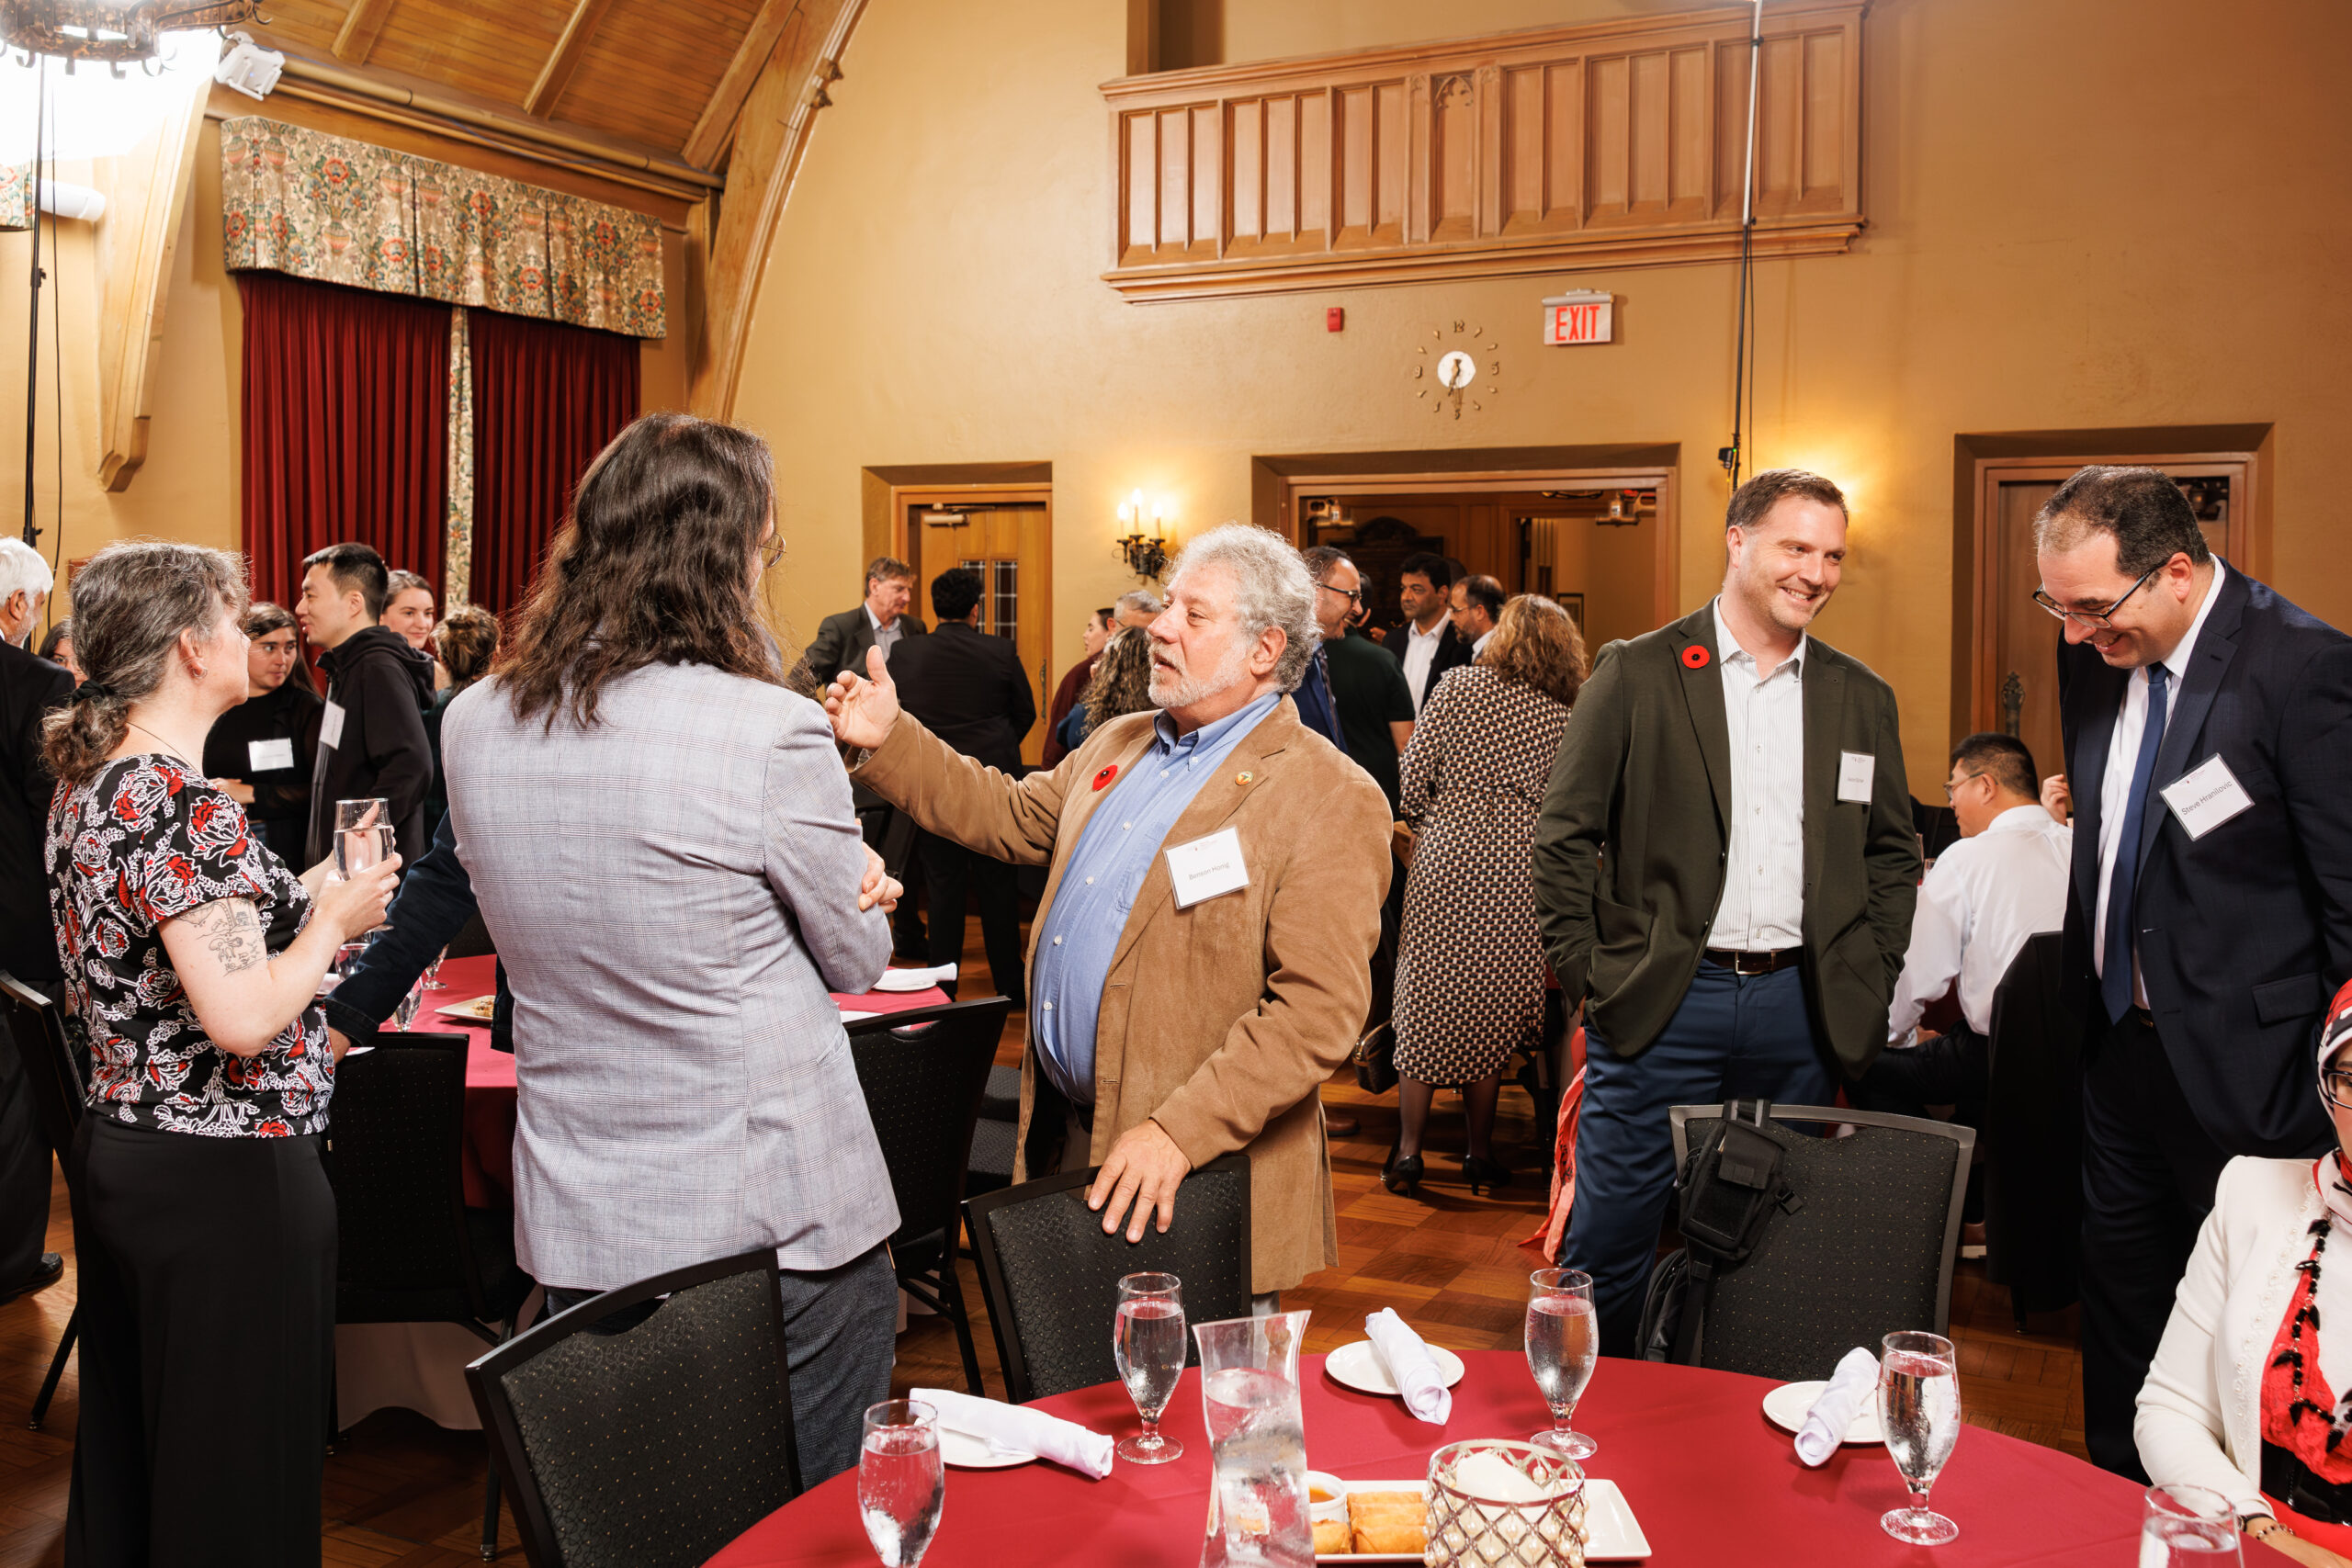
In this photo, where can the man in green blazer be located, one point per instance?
(1725, 870)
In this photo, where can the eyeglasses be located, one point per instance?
(1949, 788)
(2095, 620)
(2337, 1085)
(1352, 594)
(772, 549)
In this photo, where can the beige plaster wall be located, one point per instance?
(2083, 213)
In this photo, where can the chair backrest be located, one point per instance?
(1050, 1276)
(38, 1029)
(393, 1142)
(2033, 1132)
(1869, 1252)
(924, 1073)
(656, 1444)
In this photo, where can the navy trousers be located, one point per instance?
(1733, 1037)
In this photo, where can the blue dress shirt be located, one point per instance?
(1082, 927)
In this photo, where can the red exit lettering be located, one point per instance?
(1577, 324)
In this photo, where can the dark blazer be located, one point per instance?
(969, 690)
(842, 639)
(1453, 650)
(2245, 933)
(29, 688)
(1629, 845)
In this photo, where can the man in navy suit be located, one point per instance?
(2208, 725)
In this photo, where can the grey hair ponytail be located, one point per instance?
(131, 604)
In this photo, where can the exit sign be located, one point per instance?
(1585, 316)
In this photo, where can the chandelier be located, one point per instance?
(116, 33)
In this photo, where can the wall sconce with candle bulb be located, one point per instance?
(1145, 553)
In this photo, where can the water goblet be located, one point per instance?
(1918, 1409)
(432, 981)
(1563, 1343)
(1148, 1342)
(901, 1487)
(2187, 1527)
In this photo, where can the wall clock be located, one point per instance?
(1457, 367)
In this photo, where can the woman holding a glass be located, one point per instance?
(2251, 1390)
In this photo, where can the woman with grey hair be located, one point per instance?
(202, 1218)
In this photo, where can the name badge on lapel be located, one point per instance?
(2206, 796)
(331, 726)
(1207, 867)
(1857, 771)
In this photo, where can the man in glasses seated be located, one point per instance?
(2208, 729)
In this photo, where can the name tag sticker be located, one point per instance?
(270, 756)
(331, 726)
(1857, 771)
(2206, 796)
(1207, 867)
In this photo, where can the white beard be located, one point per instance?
(1171, 690)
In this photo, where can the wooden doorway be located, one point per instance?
(2015, 673)
(1006, 531)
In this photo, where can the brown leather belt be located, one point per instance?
(1751, 964)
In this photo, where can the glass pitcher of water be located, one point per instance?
(1259, 1514)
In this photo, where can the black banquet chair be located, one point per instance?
(655, 1445)
(925, 1074)
(58, 1094)
(1050, 1275)
(408, 1250)
(1869, 1252)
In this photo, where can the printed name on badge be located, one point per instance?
(1857, 771)
(1207, 867)
(331, 726)
(2206, 796)
(270, 756)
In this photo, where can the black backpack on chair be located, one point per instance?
(1730, 1186)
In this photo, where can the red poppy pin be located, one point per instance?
(1695, 656)
(1106, 776)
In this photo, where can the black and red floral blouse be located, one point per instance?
(142, 842)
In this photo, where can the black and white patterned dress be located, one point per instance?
(1470, 967)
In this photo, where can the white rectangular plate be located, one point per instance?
(1611, 1533)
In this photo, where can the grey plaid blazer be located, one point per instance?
(672, 891)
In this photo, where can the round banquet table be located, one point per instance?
(1709, 1479)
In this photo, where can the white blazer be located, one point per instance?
(2200, 1411)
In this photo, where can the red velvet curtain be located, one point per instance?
(345, 417)
(547, 400)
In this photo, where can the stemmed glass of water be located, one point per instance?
(900, 1486)
(1148, 1341)
(1918, 1409)
(2188, 1525)
(432, 981)
(1563, 1343)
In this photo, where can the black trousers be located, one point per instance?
(208, 1325)
(950, 871)
(2148, 1176)
(24, 1176)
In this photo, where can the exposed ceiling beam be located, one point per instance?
(569, 50)
(716, 122)
(361, 26)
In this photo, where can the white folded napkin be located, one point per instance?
(1825, 1424)
(849, 1015)
(1410, 1365)
(914, 979)
(1019, 1430)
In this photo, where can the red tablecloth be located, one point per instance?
(1708, 1477)
(487, 1159)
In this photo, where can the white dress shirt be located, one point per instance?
(1479, 647)
(1762, 909)
(885, 637)
(1980, 899)
(1420, 650)
(2122, 751)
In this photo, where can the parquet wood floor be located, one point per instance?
(400, 1493)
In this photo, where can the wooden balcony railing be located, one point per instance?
(1544, 151)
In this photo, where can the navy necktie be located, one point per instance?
(2115, 983)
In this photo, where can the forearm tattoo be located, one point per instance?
(232, 930)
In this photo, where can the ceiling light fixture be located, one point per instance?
(115, 33)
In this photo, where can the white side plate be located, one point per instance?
(1611, 1533)
(1787, 1406)
(914, 979)
(1360, 1366)
(966, 1451)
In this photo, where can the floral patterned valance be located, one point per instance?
(16, 196)
(325, 207)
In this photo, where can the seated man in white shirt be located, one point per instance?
(2005, 880)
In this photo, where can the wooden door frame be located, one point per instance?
(1984, 705)
(1666, 589)
(904, 497)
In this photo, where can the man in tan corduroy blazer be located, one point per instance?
(1213, 1023)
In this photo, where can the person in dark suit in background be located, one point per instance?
(970, 690)
(1724, 872)
(1478, 605)
(880, 622)
(30, 689)
(1426, 645)
(2207, 726)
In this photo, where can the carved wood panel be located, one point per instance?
(1542, 151)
